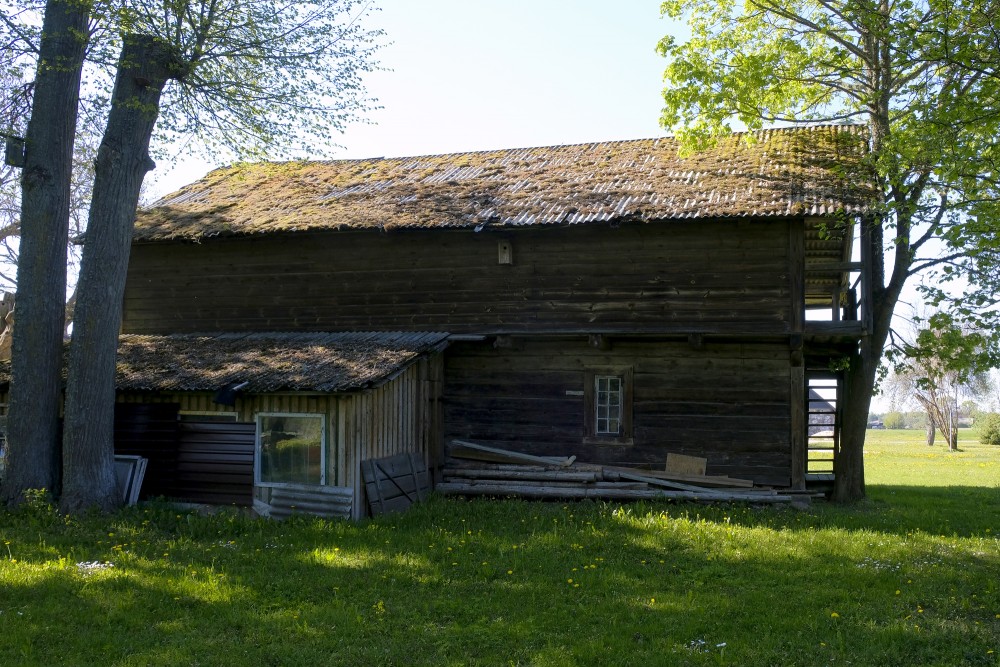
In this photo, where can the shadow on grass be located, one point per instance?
(498, 582)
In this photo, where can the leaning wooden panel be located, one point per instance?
(394, 483)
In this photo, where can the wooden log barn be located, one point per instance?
(613, 301)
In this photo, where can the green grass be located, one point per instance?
(903, 457)
(910, 577)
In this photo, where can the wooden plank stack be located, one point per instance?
(477, 470)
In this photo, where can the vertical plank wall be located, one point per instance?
(397, 417)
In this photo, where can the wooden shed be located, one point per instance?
(614, 301)
(228, 418)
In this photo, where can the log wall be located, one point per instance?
(729, 402)
(721, 276)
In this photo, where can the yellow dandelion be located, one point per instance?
(569, 581)
(834, 615)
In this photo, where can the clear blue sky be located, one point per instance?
(474, 75)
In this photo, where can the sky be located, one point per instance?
(468, 75)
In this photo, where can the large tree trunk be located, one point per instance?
(122, 162)
(37, 358)
(931, 429)
(848, 462)
(859, 381)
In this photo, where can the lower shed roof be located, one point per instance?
(266, 362)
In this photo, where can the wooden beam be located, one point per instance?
(834, 267)
(797, 435)
(796, 273)
(471, 450)
(600, 341)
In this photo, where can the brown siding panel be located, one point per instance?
(215, 462)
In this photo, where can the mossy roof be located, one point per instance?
(804, 171)
(267, 362)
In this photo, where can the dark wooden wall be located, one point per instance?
(721, 276)
(203, 462)
(729, 402)
(150, 430)
(215, 462)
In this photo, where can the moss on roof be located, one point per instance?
(787, 172)
(267, 362)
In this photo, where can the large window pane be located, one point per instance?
(290, 448)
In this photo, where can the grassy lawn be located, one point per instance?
(911, 577)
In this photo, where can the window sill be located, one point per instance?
(608, 441)
(290, 485)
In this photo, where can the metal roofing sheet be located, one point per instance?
(803, 171)
(267, 362)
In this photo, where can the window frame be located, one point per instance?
(192, 415)
(590, 417)
(257, 448)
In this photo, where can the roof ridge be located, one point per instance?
(576, 144)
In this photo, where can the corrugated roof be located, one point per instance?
(268, 362)
(810, 171)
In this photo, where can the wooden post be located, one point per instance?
(866, 286)
(797, 274)
(798, 397)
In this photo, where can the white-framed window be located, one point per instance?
(291, 449)
(608, 395)
(608, 406)
(206, 416)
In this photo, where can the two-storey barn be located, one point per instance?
(614, 301)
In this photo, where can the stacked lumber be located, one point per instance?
(478, 470)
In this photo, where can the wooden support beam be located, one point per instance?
(796, 273)
(834, 267)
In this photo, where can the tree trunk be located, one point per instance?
(953, 438)
(848, 462)
(122, 162)
(37, 358)
(859, 381)
(931, 429)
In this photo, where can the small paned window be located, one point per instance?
(608, 406)
(290, 449)
(608, 403)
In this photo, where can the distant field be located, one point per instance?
(902, 457)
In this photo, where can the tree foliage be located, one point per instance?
(942, 364)
(922, 75)
(894, 420)
(988, 428)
